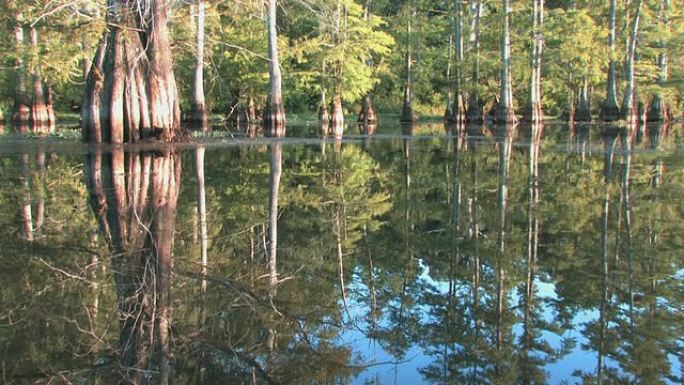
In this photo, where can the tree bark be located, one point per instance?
(458, 108)
(132, 94)
(337, 117)
(474, 113)
(21, 112)
(658, 110)
(407, 114)
(629, 108)
(367, 114)
(39, 113)
(198, 105)
(533, 110)
(49, 106)
(505, 112)
(610, 111)
(274, 113)
(583, 111)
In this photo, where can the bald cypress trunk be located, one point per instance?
(629, 108)
(39, 113)
(533, 110)
(610, 111)
(583, 111)
(458, 108)
(658, 110)
(21, 112)
(274, 113)
(131, 91)
(367, 114)
(407, 114)
(49, 106)
(337, 117)
(198, 105)
(505, 112)
(474, 113)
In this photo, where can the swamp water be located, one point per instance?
(486, 257)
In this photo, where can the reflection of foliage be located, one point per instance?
(414, 272)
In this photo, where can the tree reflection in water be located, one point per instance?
(134, 196)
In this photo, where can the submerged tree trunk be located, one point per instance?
(39, 113)
(131, 91)
(274, 113)
(658, 110)
(458, 108)
(583, 110)
(610, 111)
(533, 110)
(337, 117)
(474, 113)
(505, 112)
(21, 112)
(367, 114)
(198, 105)
(407, 114)
(629, 108)
(49, 106)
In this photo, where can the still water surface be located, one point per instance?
(409, 257)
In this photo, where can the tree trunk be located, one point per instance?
(658, 110)
(474, 113)
(21, 112)
(629, 110)
(458, 109)
(198, 105)
(505, 113)
(533, 110)
(39, 113)
(337, 117)
(49, 106)
(131, 92)
(367, 114)
(610, 111)
(274, 113)
(583, 111)
(407, 114)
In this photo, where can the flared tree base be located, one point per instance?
(274, 120)
(198, 118)
(367, 114)
(407, 114)
(505, 115)
(658, 111)
(533, 113)
(474, 112)
(583, 113)
(610, 112)
(337, 118)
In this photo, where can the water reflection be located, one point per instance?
(491, 255)
(134, 196)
